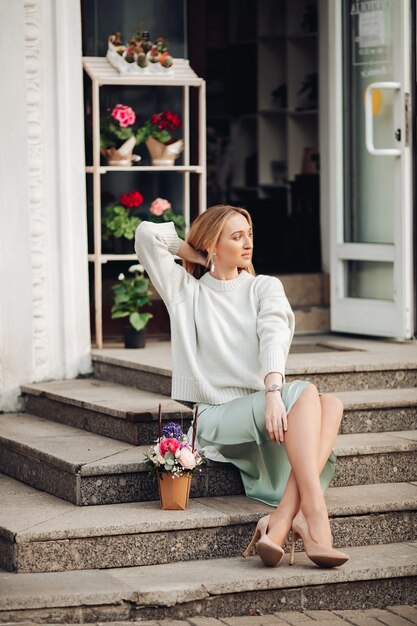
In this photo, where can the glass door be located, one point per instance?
(371, 266)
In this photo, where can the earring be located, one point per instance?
(213, 267)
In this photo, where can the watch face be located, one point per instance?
(274, 387)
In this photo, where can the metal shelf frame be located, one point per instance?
(101, 73)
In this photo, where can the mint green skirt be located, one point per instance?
(235, 432)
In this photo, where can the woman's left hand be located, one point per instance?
(275, 417)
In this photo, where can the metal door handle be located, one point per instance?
(369, 124)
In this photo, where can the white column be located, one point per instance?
(44, 305)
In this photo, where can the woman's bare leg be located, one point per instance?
(281, 518)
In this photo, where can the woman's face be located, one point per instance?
(235, 245)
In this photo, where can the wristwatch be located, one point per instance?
(273, 387)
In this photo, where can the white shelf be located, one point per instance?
(100, 70)
(180, 75)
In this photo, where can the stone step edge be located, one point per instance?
(291, 371)
(90, 468)
(50, 590)
(342, 511)
(127, 415)
(371, 396)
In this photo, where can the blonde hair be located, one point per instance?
(205, 232)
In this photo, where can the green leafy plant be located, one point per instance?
(161, 211)
(118, 221)
(130, 296)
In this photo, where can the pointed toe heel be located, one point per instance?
(323, 556)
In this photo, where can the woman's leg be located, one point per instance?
(331, 416)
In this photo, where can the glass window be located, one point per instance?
(369, 180)
(369, 279)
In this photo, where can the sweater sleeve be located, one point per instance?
(155, 245)
(275, 326)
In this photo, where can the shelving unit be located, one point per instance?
(102, 73)
(275, 130)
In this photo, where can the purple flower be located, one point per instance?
(172, 430)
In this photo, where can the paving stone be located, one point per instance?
(408, 612)
(251, 620)
(201, 621)
(327, 617)
(390, 619)
(296, 618)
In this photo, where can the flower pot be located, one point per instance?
(174, 491)
(163, 153)
(135, 338)
(122, 156)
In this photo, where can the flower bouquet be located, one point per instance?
(117, 138)
(173, 460)
(156, 132)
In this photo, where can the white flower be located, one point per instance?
(158, 456)
(137, 268)
(121, 276)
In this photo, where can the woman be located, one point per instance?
(231, 332)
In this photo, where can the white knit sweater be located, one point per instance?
(226, 335)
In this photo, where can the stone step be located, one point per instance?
(375, 576)
(86, 469)
(104, 408)
(337, 365)
(129, 414)
(379, 410)
(40, 533)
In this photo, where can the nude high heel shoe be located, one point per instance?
(268, 551)
(319, 554)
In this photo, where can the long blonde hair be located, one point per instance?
(205, 232)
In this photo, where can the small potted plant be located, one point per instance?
(173, 460)
(119, 223)
(117, 137)
(156, 133)
(130, 296)
(161, 211)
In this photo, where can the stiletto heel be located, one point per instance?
(268, 551)
(293, 541)
(255, 538)
(319, 554)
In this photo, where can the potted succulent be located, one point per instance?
(117, 137)
(156, 133)
(119, 223)
(173, 460)
(140, 54)
(131, 294)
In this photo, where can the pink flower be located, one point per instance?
(187, 459)
(169, 444)
(124, 115)
(159, 206)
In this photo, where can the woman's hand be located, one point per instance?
(188, 253)
(275, 417)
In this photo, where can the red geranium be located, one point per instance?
(169, 444)
(132, 199)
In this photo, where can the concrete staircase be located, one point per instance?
(67, 559)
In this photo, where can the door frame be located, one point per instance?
(335, 195)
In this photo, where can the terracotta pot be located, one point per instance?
(122, 156)
(163, 153)
(135, 338)
(174, 491)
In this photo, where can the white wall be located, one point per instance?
(44, 308)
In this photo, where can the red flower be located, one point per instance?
(132, 199)
(170, 445)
